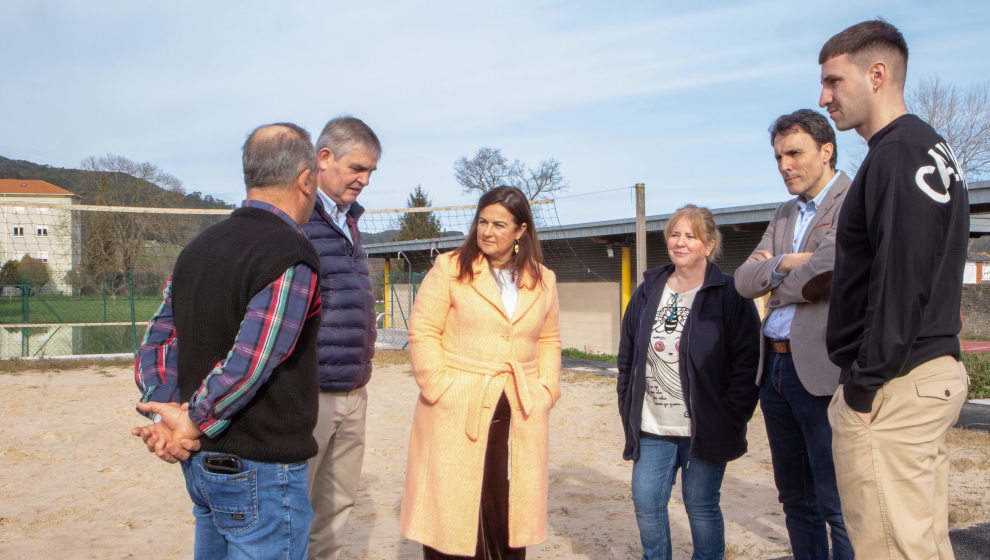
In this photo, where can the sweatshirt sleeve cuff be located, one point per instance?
(858, 398)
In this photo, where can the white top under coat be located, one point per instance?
(507, 287)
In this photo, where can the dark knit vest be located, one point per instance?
(215, 277)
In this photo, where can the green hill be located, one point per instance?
(99, 187)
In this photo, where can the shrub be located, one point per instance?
(978, 367)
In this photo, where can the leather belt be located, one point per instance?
(490, 391)
(781, 346)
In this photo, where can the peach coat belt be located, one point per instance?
(489, 393)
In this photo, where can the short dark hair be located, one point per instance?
(530, 255)
(811, 122)
(343, 133)
(275, 154)
(865, 36)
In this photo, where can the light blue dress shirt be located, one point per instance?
(778, 325)
(336, 213)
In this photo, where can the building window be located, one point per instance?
(43, 256)
(43, 231)
(18, 231)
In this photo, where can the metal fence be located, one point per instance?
(397, 293)
(40, 322)
(36, 323)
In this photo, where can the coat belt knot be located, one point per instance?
(490, 391)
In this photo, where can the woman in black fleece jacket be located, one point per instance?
(687, 364)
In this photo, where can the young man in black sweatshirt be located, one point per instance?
(894, 323)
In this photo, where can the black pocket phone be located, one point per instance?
(222, 464)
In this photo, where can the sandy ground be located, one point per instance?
(75, 484)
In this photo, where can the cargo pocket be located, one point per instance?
(233, 499)
(943, 389)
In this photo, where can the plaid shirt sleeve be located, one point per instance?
(155, 364)
(267, 335)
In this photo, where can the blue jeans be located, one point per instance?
(261, 512)
(801, 448)
(652, 479)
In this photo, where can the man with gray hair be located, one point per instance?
(243, 305)
(347, 154)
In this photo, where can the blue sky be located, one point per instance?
(669, 94)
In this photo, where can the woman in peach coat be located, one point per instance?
(485, 348)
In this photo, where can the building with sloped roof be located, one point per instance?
(36, 220)
(593, 268)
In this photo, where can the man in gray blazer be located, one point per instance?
(793, 262)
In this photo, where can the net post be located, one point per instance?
(388, 293)
(627, 280)
(104, 315)
(26, 317)
(130, 282)
(640, 231)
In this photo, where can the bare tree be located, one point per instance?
(489, 169)
(962, 116)
(546, 179)
(114, 163)
(114, 244)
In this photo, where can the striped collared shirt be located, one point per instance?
(337, 213)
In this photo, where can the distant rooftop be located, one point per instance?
(737, 217)
(31, 187)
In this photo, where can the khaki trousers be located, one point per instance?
(335, 471)
(893, 475)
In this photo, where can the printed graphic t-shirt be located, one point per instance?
(664, 410)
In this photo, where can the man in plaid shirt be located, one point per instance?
(245, 293)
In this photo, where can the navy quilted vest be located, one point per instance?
(346, 340)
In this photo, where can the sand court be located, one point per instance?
(75, 484)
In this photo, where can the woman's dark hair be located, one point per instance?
(530, 255)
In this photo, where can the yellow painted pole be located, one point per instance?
(627, 280)
(388, 293)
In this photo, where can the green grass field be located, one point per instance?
(77, 309)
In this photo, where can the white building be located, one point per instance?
(35, 219)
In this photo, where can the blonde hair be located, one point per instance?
(702, 224)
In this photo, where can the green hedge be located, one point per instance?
(978, 367)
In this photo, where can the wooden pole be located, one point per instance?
(640, 231)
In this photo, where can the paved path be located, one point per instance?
(975, 415)
(967, 544)
(976, 346)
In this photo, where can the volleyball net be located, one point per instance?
(84, 279)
